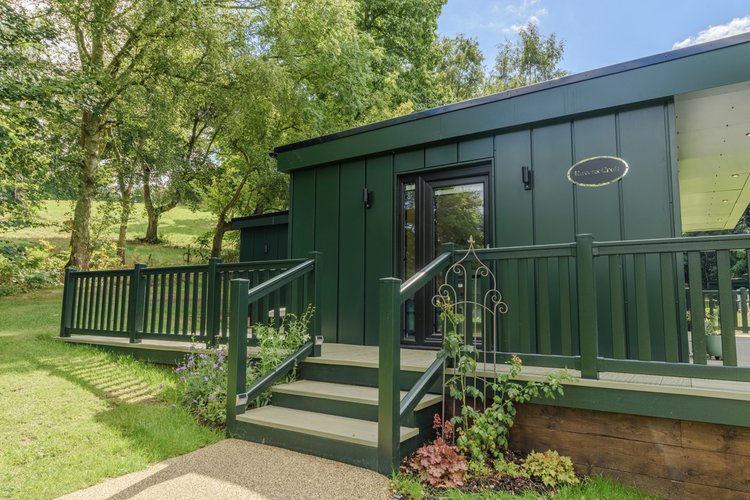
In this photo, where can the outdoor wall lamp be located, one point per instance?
(527, 176)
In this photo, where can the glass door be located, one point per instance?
(438, 208)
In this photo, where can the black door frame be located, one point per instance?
(425, 334)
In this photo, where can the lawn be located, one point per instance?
(178, 229)
(71, 416)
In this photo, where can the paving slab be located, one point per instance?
(235, 469)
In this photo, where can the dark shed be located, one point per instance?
(377, 200)
(263, 237)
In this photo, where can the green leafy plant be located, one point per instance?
(508, 468)
(407, 486)
(204, 374)
(29, 266)
(439, 463)
(710, 324)
(551, 468)
(483, 434)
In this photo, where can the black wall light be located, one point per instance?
(367, 197)
(527, 176)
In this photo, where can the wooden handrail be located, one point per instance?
(425, 275)
(272, 377)
(684, 244)
(420, 388)
(280, 280)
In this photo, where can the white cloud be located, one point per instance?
(524, 12)
(734, 27)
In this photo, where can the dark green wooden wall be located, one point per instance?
(264, 243)
(327, 213)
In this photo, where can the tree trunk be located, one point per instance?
(152, 235)
(80, 238)
(221, 228)
(124, 218)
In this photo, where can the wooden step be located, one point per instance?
(332, 427)
(358, 394)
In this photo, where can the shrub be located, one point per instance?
(508, 468)
(440, 464)
(551, 468)
(29, 266)
(204, 374)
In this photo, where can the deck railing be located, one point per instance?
(186, 303)
(244, 297)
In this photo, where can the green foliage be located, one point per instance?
(508, 468)
(26, 267)
(204, 374)
(711, 323)
(483, 434)
(532, 58)
(553, 470)
(407, 486)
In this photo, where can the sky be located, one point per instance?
(597, 33)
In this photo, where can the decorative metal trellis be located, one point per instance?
(469, 288)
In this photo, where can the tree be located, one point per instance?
(530, 59)
(28, 90)
(118, 44)
(459, 69)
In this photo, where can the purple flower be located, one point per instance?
(195, 401)
(205, 379)
(182, 379)
(211, 397)
(161, 386)
(216, 365)
(173, 406)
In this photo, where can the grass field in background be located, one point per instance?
(71, 416)
(178, 228)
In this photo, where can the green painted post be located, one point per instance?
(67, 302)
(237, 352)
(135, 307)
(389, 366)
(588, 335)
(743, 309)
(317, 302)
(212, 303)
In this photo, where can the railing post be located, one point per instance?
(317, 302)
(67, 302)
(212, 304)
(389, 366)
(237, 351)
(743, 309)
(588, 334)
(135, 307)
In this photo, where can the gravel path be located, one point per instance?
(234, 469)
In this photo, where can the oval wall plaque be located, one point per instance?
(598, 171)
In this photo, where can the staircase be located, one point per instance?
(331, 410)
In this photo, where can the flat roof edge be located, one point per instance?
(539, 87)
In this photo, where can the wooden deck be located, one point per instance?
(418, 360)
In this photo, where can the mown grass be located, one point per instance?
(178, 229)
(596, 487)
(71, 416)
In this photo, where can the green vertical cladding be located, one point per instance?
(352, 254)
(302, 213)
(697, 311)
(379, 242)
(327, 241)
(443, 154)
(514, 223)
(647, 197)
(598, 209)
(553, 194)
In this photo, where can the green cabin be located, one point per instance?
(558, 220)
(380, 200)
